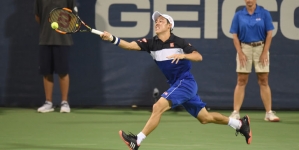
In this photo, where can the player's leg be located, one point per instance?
(197, 109)
(134, 141)
(61, 67)
(242, 79)
(241, 125)
(46, 69)
(173, 97)
(265, 91)
(159, 108)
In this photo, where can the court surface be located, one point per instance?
(95, 129)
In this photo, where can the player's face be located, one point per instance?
(250, 3)
(161, 25)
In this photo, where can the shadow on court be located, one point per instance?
(14, 146)
(290, 122)
(142, 112)
(96, 112)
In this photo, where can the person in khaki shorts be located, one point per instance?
(252, 34)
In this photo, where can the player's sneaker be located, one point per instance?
(47, 107)
(245, 129)
(235, 115)
(65, 107)
(270, 116)
(129, 139)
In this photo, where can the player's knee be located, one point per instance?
(157, 108)
(160, 107)
(205, 119)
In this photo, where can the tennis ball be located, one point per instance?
(54, 25)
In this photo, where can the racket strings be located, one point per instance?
(67, 21)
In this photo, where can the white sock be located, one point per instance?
(63, 101)
(49, 102)
(140, 138)
(234, 123)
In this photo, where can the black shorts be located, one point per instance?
(54, 59)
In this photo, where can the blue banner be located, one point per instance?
(105, 75)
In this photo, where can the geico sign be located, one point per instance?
(143, 19)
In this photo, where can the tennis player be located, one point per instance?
(173, 55)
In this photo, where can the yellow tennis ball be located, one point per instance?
(54, 25)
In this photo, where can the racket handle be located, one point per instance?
(96, 32)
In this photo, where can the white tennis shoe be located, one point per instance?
(47, 107)
(270, 116)
(235, 115)
(65, 107)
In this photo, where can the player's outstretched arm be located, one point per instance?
(129, 45)
(119, 42)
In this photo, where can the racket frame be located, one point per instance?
(79, 23)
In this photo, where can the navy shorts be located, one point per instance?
(54, 59)
(184, 92)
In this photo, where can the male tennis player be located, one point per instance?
(173, 54)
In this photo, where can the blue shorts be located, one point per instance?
(184, 92)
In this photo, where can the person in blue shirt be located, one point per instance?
(173, 54)
(252, 34)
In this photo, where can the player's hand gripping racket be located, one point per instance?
(69, 22)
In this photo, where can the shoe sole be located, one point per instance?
(274, 120)
(65, 111)
(50, 110)
(250, 133)
(121, 136)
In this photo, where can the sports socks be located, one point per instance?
(140, 138)
(234, 123)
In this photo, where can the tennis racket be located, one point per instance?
(69, 22)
